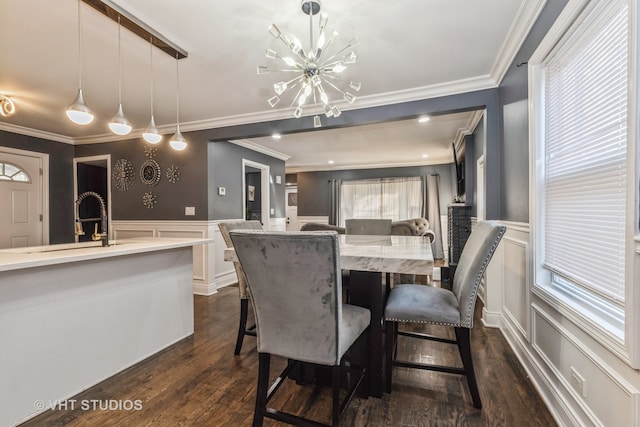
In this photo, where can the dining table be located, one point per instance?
(372, 260)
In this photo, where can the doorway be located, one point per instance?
(92, 174)
(24, 198)
(255, 181)
(291, 197)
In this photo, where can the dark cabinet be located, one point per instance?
(459, 218)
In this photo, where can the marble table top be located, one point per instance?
(388, 254)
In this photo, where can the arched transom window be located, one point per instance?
(11, 172)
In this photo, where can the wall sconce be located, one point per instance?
(7, 107)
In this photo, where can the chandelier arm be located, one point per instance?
(332, 77)
(335, 87)
(295, 98)
(326, 48)
(349, 46)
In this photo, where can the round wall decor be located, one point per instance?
(123, 175)
(150, 173)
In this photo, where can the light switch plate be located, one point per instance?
(189, 210)
(222, 191)
(278, 179)
(273, 211)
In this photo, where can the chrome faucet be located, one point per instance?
(104, 236)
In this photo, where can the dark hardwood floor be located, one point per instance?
(199, 382)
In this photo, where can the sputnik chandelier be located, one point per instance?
(318, 69)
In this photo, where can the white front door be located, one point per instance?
(20, 201)
(291, 196)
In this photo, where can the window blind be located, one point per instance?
(585, 99)
(390, 198)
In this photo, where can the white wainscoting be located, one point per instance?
(553, 350)
(203, 255)
(210, 270)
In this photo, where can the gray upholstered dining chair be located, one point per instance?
(294, 279)
(368, 226)
(433, 305)
(225, 228)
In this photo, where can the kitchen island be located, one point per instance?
(74, 315)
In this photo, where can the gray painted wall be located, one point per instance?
(60, 181)
(513, 109)
(225, 170)
(190, 190)
(314, 190)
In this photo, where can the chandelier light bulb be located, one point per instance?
(318, 67)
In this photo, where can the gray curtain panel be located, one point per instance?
(431, 187)
(334, 202)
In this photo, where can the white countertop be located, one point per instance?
(38, 256)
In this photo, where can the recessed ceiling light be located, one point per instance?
(424, 156)
(276, 136)
(423, 119)
(330, 162)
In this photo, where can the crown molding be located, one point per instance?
(21, 130)
(260, 149)
(525, 19)
(298, 169)
(468, 129)
(396, 97)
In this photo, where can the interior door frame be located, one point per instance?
(91, 159)
(480, 189)
(264, 190)
(44, 185)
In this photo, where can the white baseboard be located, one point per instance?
(206, 290)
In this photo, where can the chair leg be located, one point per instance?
(244, 310)
(264, 360)
(390, 339)
(464, 345)
(335, 383)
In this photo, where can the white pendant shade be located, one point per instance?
(78, 112)
(151, 134)
(119, 124)
(177, 141)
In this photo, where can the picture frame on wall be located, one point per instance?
(251, 193)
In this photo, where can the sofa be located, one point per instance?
(408, 227)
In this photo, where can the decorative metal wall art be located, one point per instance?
(150, 173)
(123, 175)
(173, 174)
(149, 200)
(150, 151)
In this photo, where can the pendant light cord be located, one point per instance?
(151, 67)
(177, 94)
(79, 50)
(119, 65)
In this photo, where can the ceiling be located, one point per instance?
(409, 50)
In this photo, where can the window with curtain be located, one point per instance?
(582, 169)
(389, 198)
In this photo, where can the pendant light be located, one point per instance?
(78, 112)
(119, 124)
(151, 134)
(177, 141)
